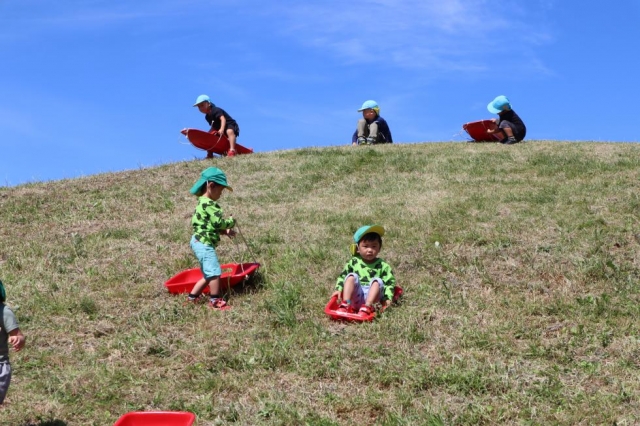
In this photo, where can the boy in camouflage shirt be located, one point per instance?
(365, 279)
(208, 225)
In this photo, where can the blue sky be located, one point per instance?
(99, 86)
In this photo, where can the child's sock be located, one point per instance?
(193, 296)
(214, 297)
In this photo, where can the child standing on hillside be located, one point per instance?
(208, 225)
(365, 279)
(508, 121)
(221, 123)
(371, 127)
(10, 334)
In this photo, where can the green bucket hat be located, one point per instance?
(3, 294)
(212, 174)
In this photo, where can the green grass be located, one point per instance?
(527, 312)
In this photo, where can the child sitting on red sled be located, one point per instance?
(365, 280)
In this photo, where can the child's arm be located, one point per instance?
(17, 339)
(223, 124)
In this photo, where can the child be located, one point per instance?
(371, 128)
(221, 123)
(365, 279)
(208, 225)
(509, 122)
(10, 334)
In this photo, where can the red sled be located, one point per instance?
(332, 309)
(232, 274)
(156, 418)
(478, 130)
(216, 143)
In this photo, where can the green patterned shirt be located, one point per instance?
(207, 222)
(368, 271)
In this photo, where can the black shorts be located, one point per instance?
(234, 127)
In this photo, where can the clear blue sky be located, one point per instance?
(106, 85)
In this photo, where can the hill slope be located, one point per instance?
(527, 312)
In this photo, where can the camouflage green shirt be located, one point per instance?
(207, 222)
(368, 271)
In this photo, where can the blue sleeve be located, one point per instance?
(354, 138)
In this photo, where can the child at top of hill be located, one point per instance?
(10, 335)
(365, 279)
(208, 225)
(508, 121)
(371, 127)
(221, 123)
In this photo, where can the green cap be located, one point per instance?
(212, 174)
(377, 229)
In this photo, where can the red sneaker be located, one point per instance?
(219, 305)
(344, 308)
(365, 311)
(190, 301)
(231, 153)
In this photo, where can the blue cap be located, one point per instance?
(496, 105)
(201, 99)
(369, 105)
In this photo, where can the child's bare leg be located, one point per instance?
(214, 286)
(231, 135)
(348, 288)
(374, 294)
(199, 286)
(508, 131)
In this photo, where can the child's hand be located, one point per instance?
(337, 294)
(17, 341)
(386, 303)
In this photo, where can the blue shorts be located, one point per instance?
(5, 379)
(206, 254)
(361, 292)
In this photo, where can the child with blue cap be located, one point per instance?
(365, 279)
(220, 121)
(508, 121)
(208, 225)
(371, 128)
(10, 335)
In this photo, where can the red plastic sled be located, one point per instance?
(156, 418)
(478, 131)
(232, 274)
(218, 144)
(332, 309)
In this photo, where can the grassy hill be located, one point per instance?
(526, 313)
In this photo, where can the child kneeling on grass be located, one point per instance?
(208, 225)
(508, 121)
(365, 279)
(10, 334)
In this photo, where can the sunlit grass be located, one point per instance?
(525, 312)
